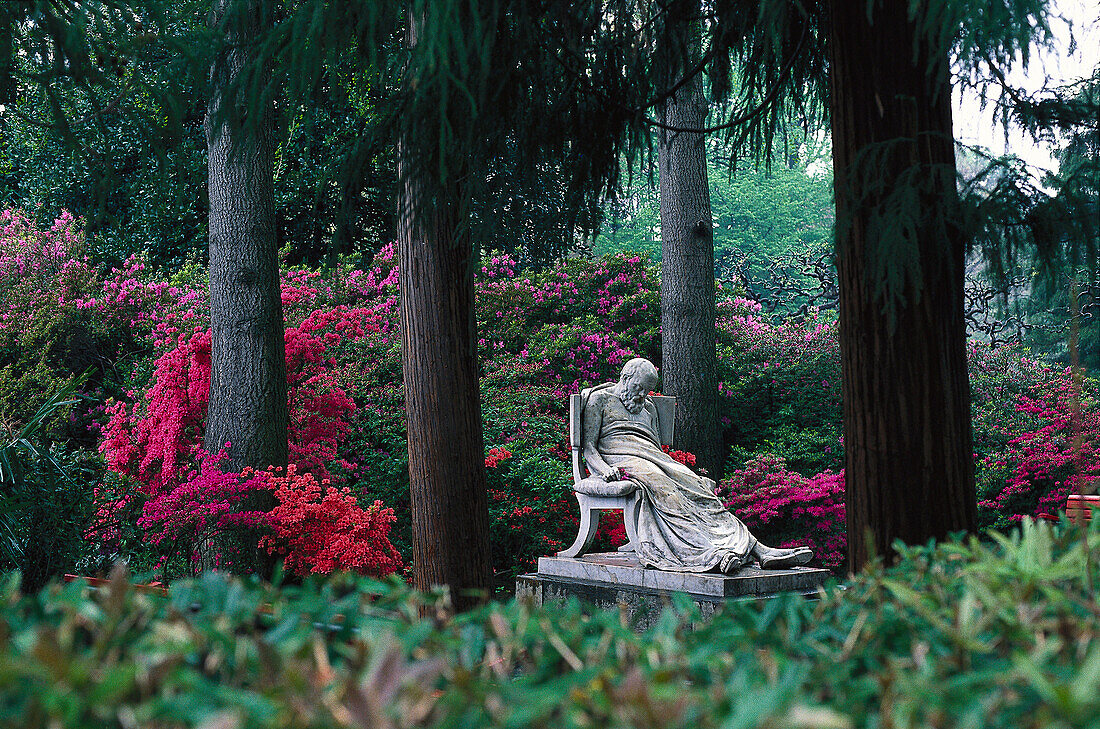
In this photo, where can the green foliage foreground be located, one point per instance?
(960, 634)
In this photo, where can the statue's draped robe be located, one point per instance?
(682, 525)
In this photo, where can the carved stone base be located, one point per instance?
(609, 580)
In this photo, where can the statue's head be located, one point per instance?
(637, 379)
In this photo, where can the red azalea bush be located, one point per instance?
(318, 527)
(531, 516)
(688, 459)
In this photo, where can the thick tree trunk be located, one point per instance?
(688, 344)
(248, 384)
(450, 513)
(908, 459)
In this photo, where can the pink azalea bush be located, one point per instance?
(61, 315)
(780, 386)
(783, 508)
(1033, 449)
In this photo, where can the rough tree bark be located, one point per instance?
(248, 385)
(450, 509)
(450, 512)
(907, 440)
(689, 360)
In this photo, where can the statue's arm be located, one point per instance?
(590, 432)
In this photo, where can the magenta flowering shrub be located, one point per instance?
(47, 270)
(157, 438)
(36, 259)
(1030, 452)
(179, 519)
(783, 508)
(156, 442)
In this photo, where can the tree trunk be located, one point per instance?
(248, 383)
(908, 459)
(688, 344)
(450, 512)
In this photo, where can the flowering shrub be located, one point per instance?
(1031, 458)
(577, 322)
(688, 459)
(496, 455)
(319, 528)
(180, 519)
(530, 515)
(783, 508)
(157, 438)
(59, 316)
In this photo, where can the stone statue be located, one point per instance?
(682, 525)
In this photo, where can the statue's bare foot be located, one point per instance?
(772, 558)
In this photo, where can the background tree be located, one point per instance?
(112, 133)
(761, 217)
(247, 413)
(137, 172)
(1052, 231)
(688, 347)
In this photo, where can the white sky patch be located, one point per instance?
(1047, 69)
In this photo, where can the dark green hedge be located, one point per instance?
(1001, 634)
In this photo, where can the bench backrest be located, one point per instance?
(666, 424)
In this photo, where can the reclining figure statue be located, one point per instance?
(682, 525)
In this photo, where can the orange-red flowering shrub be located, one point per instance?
(319, 528)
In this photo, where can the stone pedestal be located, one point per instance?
(608, 580)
